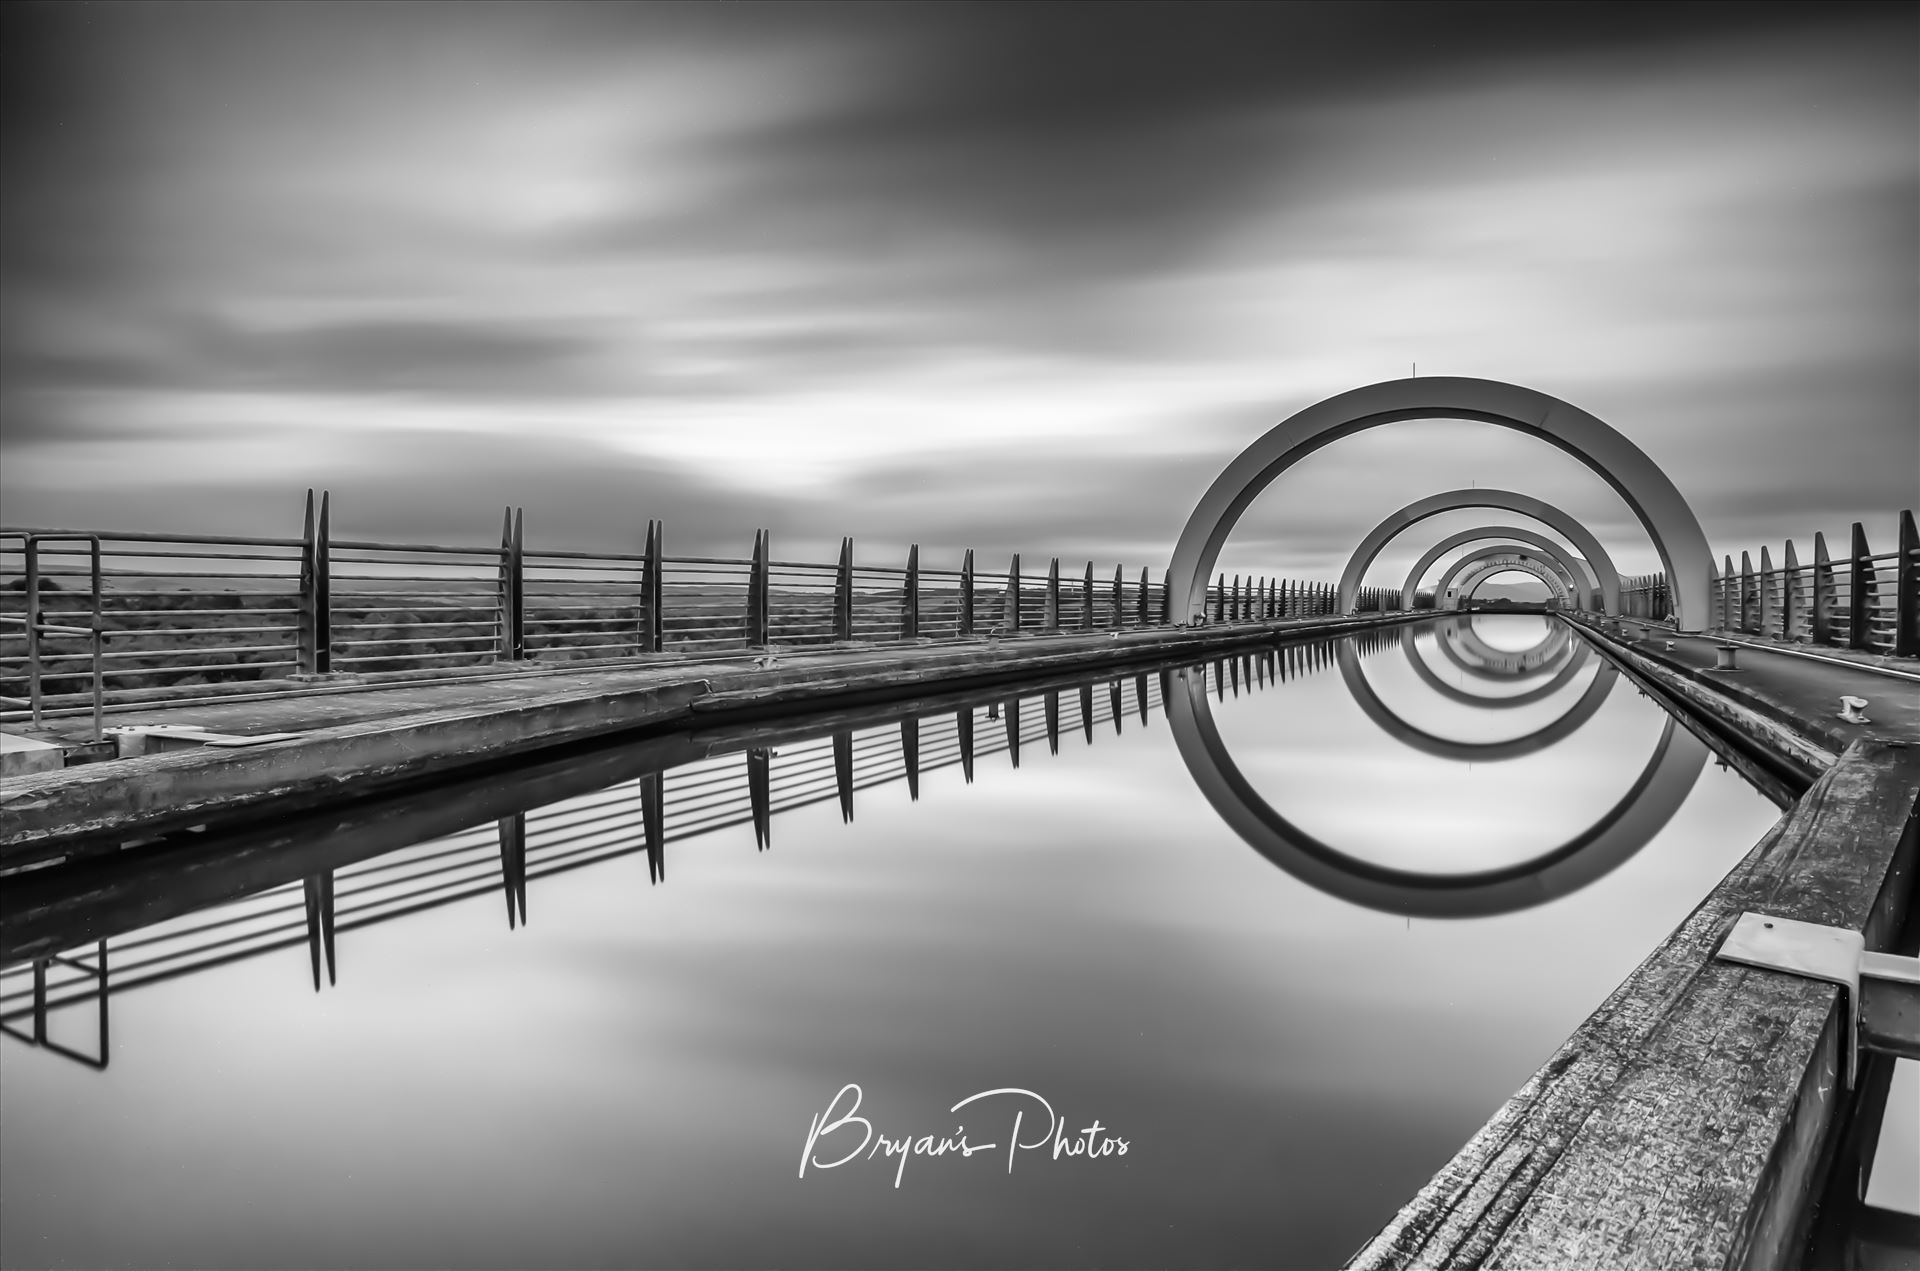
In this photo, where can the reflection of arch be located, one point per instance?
(1575, 660)
(1485, 659)
(1567, 527)
(1576, 570)
(1475, 751)
(1482, 565)
(1623, 830)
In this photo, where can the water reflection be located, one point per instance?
(1016, 886)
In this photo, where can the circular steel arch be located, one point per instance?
(1625, 828)
(1559, 522)
(1669, 522)
(1577, 571)
(1484, 564)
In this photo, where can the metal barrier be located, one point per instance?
(1867, 600)
(194, 617)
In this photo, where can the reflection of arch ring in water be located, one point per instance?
(1578, 572)
(1584, 543)
(1471, 653)
(1663, 785)
(1482, 565)
(1577, 657)
(1474, 751)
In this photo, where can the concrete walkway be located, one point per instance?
(1802, 692)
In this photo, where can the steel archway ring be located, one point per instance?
(1596, 693)
(1584, 543)
(1487, 562)
(1577, 658)
(1625, 828)
(1577, 572)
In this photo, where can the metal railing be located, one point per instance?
(193, 617)
(1867, 600)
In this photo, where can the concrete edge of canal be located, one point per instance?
(1696, 1118)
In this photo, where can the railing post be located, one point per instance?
(1086, 600)
(1790, 606)
(315, 655)
(1745, 625)
(653, 632)
(1820, 616)
(1119, 598)
(843, 593)
(759, 592)
(1166, 597)
(1766, 591)
(1220, 599)
(966, 594)
(1010, 616)
(1051, 619)
(910, 602)
(1906, 593)
(1145, 598)
(31, 549)
(1729, 597)
(1860, 592)
(513, 614)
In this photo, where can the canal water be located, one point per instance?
(1204, 966)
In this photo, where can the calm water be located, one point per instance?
(1293, 957)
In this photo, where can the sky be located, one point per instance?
(1015, 278)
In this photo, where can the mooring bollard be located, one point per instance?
(1724, 657)
(1853, 710)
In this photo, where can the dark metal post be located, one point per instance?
(843, 593)
(1010, 615)
(1119, 598)
(759, 592)
(966, 594)
(1086, 600)
(1052, 703)
(513, 614)
(1166, 597)
(653, 631)
(1729, 598)
(1860, 592)
(1766, 590)
(1145, 598)
(910, 603)
(1790, 606)
(32, 550)
(1906, 594)
(1820, 617)
(1746, 594)
(1051, 619)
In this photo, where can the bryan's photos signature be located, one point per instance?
(832, 1131)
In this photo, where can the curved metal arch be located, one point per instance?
(1577, 658)
(1559, 522)
(1579, 574)
(1482, 565)
(1625, 828)
(1669, 522)
(1591, 699)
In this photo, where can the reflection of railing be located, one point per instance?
(1868, 600)
(640, 815)
(207, 615)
